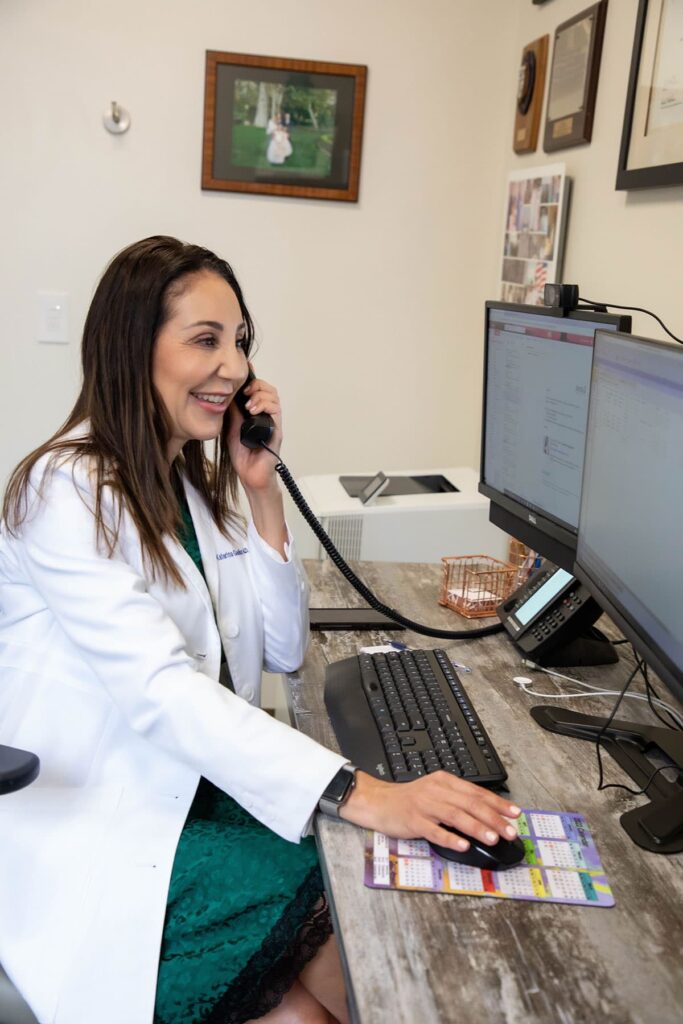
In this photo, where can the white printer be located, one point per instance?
(443, 514)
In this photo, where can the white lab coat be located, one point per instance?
(112, 681)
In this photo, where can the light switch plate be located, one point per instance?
(52, 318)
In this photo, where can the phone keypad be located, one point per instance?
(544, 627)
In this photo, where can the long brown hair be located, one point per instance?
(128, 426)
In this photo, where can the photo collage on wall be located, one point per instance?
(535, 218)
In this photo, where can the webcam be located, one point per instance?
(561, 296)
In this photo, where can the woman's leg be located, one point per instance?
(323, 978)
(318, 997)
(298, 1006)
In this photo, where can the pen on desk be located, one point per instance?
(461, 667)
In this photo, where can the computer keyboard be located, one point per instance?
(404, 714)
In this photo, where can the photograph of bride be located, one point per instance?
(277, 125)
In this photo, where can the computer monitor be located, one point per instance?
(630, 551)
(630, 543)
(536, 378)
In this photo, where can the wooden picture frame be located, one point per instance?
(574, 79)
(282, 127)
(530, 86)
(651, 151)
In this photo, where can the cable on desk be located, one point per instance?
(597, 691)
(356, 582)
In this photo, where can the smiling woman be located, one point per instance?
(200, 358)
(137, 613)
(116, 529)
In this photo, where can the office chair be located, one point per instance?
(18, 768)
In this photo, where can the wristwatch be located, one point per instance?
(338, 790)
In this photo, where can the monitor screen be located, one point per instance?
(630, 552)
(536, 381)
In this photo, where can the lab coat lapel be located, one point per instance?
(204, 527)
(191, 573)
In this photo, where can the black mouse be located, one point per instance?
(507, 853)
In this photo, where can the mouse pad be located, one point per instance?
(561, 865)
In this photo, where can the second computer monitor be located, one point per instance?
(630, 551)
(536, 381)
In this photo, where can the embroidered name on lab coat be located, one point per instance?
(231, 554)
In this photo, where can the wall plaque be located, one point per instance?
(574, 79)
(530, 84)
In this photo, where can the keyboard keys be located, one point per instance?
(407, 776)
(404, 690)
(422, 715)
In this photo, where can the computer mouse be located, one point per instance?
(507, 853)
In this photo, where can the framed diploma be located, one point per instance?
(651, 151)
(530, 86)
(574, 79)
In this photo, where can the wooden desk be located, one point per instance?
(426, 958)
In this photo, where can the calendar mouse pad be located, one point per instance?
(561, 865)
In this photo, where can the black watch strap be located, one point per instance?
(338, 790)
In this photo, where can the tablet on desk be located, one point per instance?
(374, 488)
(350, 618)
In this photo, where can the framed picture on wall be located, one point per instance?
(574, 79)
(530, 83)
(282, 127)
(533, 237)
(651, 152)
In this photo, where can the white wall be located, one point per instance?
(366, 312)
(623, 247)
(370, 315)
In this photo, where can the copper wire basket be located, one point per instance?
(523, 558)
(474, 585)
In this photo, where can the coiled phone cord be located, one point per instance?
(356, 583)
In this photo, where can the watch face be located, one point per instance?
(339, 785)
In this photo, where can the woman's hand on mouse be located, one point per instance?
(418, 809)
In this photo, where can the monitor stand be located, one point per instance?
(658, 825)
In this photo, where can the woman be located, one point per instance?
(279, 146)
(157, 870)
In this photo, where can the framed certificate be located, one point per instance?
(574, 79)
(651, 151)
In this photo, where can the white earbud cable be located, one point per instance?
(594, 691)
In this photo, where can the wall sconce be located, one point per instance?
(116, 120)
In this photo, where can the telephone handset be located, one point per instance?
(256, 432)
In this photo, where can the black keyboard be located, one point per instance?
(401, 715)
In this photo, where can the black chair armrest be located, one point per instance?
(18, 768)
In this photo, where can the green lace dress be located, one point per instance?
(246, 909)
